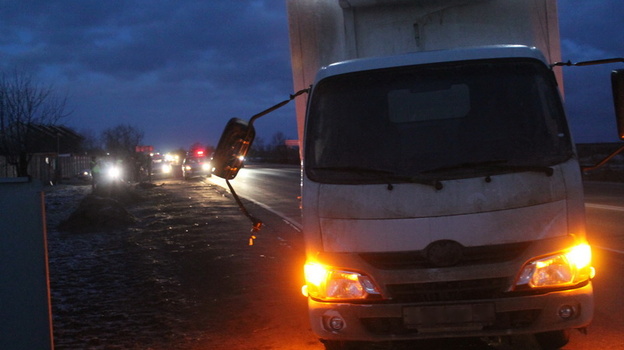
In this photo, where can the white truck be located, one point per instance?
(442, 198)
(441, 192)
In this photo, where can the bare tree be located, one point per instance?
(24, 104)
(278, 139)
(196, 146)
(258, 149)
(91, 142)
(121, 140)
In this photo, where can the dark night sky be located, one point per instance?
(178, 70)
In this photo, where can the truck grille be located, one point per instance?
(448, 291)
(510, 320)
(470, 256)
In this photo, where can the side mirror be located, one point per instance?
(233, 146)
(617, 84)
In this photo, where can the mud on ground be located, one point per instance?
(180, 276)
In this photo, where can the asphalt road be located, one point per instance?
(277, 190)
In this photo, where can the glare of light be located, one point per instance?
(169, 157)
(580, 256)
(114, 172)
(315, 274)
(327, 283)
(561, 269)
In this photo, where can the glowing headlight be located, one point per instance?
(187, 167)
(205, 166)
(562, 269)
(328, 284)
(114, 172)
(166, 168)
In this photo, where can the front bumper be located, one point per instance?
(196, 172)
(473, 318)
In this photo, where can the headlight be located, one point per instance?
(114, 172)
(328, 284)
(205, 166)
(563, 269)
(166, 168)
(187, 167)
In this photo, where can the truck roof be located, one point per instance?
(427, 57)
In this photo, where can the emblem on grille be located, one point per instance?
(444, 253)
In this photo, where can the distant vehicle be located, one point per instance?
(84, 175)
(162, 169)
(165, 165)
(196, 165)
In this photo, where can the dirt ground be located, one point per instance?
(182, 276)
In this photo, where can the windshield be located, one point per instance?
(435, 122)
(195, 160)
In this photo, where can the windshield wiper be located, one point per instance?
(385, 175)
(354, 169)
(469, 165)
(531, 168)
(498, 165)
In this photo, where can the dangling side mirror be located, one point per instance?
(233, 146)
(617, 84)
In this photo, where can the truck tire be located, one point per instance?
(553, 340)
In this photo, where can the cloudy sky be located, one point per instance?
(178, 70)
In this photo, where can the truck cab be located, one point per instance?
(442, 198)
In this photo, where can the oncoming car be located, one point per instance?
(194, 166)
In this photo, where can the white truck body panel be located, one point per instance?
(396, 235)
(328, 31)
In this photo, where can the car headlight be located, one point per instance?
(114, 172)
(166, 168)
(328, 284)
(187, 167)
(565, 268)
(206, 166)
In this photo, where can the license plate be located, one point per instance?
(443, 315)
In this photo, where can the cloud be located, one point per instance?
(591, 30)
(596, 23)
(141, 37)
(157, 64)
(180, 69)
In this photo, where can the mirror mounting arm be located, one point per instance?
(617, 86)
(587, 63)
(602, 162)
(277, 106)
